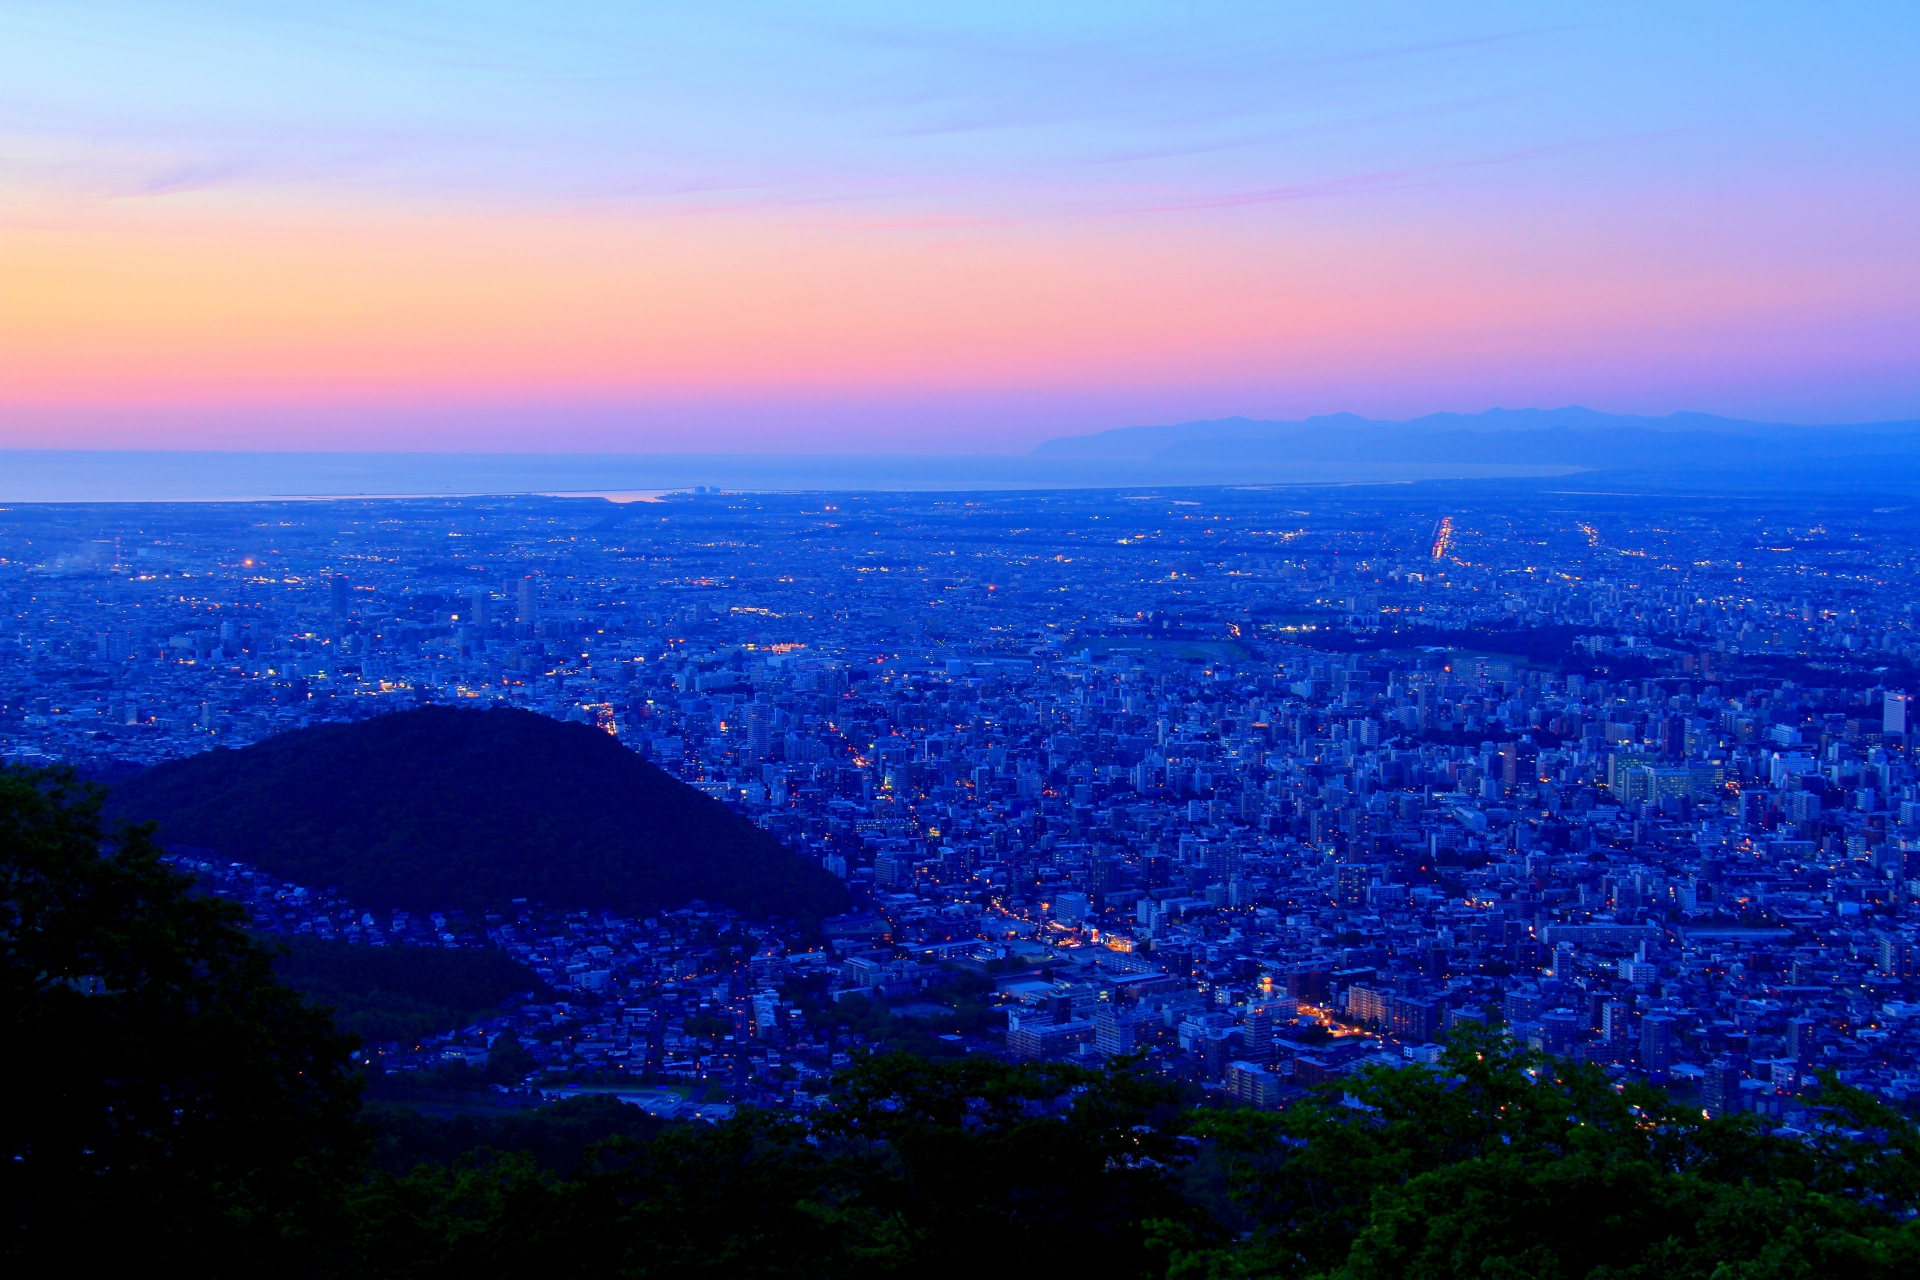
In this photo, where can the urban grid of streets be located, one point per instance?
(1263, 783)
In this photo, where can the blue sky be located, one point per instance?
(1604, 197)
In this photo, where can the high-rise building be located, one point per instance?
(1309, 984)
(339, 593)
(1893, 714)
(1656, 1042)
(1520, 1006)
(1720, 1088)
(1258, 1032)
(1219, 1048)
(1638, 971)
(1519, 763)
(1800, 806)
(1112, 1031)
(1414, 1019)
(1366, 1005)
(1629, 776)
(1252, 1085)
(1465, 1017)
(1800, 1039)
(759, 732)
(526, 600)
(1616, 1023)
(893, 871)
(1221, 860)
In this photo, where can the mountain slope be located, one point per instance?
(446, 807)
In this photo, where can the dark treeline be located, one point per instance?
(556, 1138)
(174, 1105)
(402, 993)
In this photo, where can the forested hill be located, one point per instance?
(402, 993)
(446, 807)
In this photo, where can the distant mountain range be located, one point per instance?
(453, 808)
(1572, 437)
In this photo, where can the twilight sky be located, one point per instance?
(940, 228)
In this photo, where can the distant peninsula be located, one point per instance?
(1574, 437)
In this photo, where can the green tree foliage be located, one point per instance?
(924, 1170)
(688, 1189)
(707, 1026)
(1054, 1165)
(965, 1009)
(880, 1028)
(508, 1061)
(1505, 1163)
(752, 1197)
(166, 1098)
(557, 1137)
(402, 993)
(479, 1218)
(452, 807)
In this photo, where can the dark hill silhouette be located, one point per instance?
(445, 807)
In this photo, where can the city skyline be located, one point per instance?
(832, 640)
(1272, 785)
(855, 231)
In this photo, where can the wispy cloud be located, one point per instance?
(1378, 180)
(193, 176)
(1319, 129)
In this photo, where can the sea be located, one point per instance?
(105, 475)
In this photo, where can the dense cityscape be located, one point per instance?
(1262, 784)
(883, 642)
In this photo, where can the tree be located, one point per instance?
(167, 1099)
(1505, 1162)
(508, 1061)
(922, 1169)
(750, 1197)
(1047, 1166)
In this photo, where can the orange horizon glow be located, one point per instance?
(152, 303)
(928, 267)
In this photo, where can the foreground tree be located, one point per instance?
(1504, 1162)
(923, 1169)
(167, 1099)
(1044, 1166)
(752, 1197)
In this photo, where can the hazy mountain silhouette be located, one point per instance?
(1549, 437)
(445, 807)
